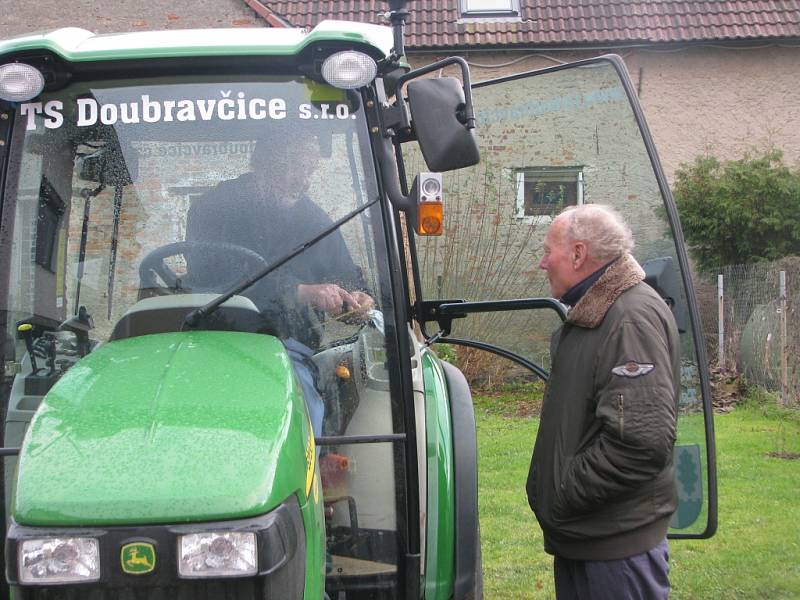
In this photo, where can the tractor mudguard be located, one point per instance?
(467, 584)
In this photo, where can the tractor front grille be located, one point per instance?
(241, 589)
(281, 543)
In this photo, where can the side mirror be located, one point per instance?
(439, 119)
(661, 275)
(108, 166)
(80, 324)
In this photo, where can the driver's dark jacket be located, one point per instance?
(601, 481)
(239, 212)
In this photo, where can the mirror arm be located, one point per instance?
(468, 116)
(391, 180)
(396, 122)
(386, 159)
(397, 18)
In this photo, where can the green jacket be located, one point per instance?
(601, 481)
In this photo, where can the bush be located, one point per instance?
(739, 211)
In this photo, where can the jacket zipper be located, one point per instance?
(621, 416)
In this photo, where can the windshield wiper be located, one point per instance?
(195, 316)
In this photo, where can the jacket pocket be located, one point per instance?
(621, 416)
(559, 508)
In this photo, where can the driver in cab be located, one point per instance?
(268, 211)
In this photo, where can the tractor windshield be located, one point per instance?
(128, 205)
(124, 194)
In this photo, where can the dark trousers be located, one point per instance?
(641, 577)
(306, 372)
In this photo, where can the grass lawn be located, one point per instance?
(755, 553)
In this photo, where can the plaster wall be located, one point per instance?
(20, 17)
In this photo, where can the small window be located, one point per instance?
(542, 192)
(489, 8)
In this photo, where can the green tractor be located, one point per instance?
(219, 290)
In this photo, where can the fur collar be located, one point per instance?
(592, 308)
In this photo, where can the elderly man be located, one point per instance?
(601, 481)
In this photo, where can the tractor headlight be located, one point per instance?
(217, 554)
(59, 560)
(348, 70)
(20, 82)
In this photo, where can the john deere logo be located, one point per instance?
(138, 558)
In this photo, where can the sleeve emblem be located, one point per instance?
(632, 369)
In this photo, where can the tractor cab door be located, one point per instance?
(562, 136)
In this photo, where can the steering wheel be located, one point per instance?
(225, 265)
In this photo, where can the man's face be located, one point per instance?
(558, 259)
(287, 173)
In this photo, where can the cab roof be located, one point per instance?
(79, 45)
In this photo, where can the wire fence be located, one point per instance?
(752, 323)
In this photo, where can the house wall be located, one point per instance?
(20, 17)
(723, 102)
(701, 99)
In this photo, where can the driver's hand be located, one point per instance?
(364, 300)
(333, 299)
(359, 314)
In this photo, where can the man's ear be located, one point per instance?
(579, 255)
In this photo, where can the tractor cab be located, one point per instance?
(226, 259)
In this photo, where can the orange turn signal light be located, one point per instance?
(430, 218)
(342, 372)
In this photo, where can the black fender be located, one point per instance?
(468, 584)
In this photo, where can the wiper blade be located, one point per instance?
(195, 316)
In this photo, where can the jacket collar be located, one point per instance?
(590, 310)
(576, 292)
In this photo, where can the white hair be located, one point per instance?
(599, 226)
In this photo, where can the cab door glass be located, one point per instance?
(549, 139)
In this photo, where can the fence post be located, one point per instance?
(721, 322)
(784, 344)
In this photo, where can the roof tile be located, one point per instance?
(437, 23)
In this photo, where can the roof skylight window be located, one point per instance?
(489, 8)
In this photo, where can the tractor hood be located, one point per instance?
(167, 428)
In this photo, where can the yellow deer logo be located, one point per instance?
(138, 558)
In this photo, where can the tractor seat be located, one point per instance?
(163, 314)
